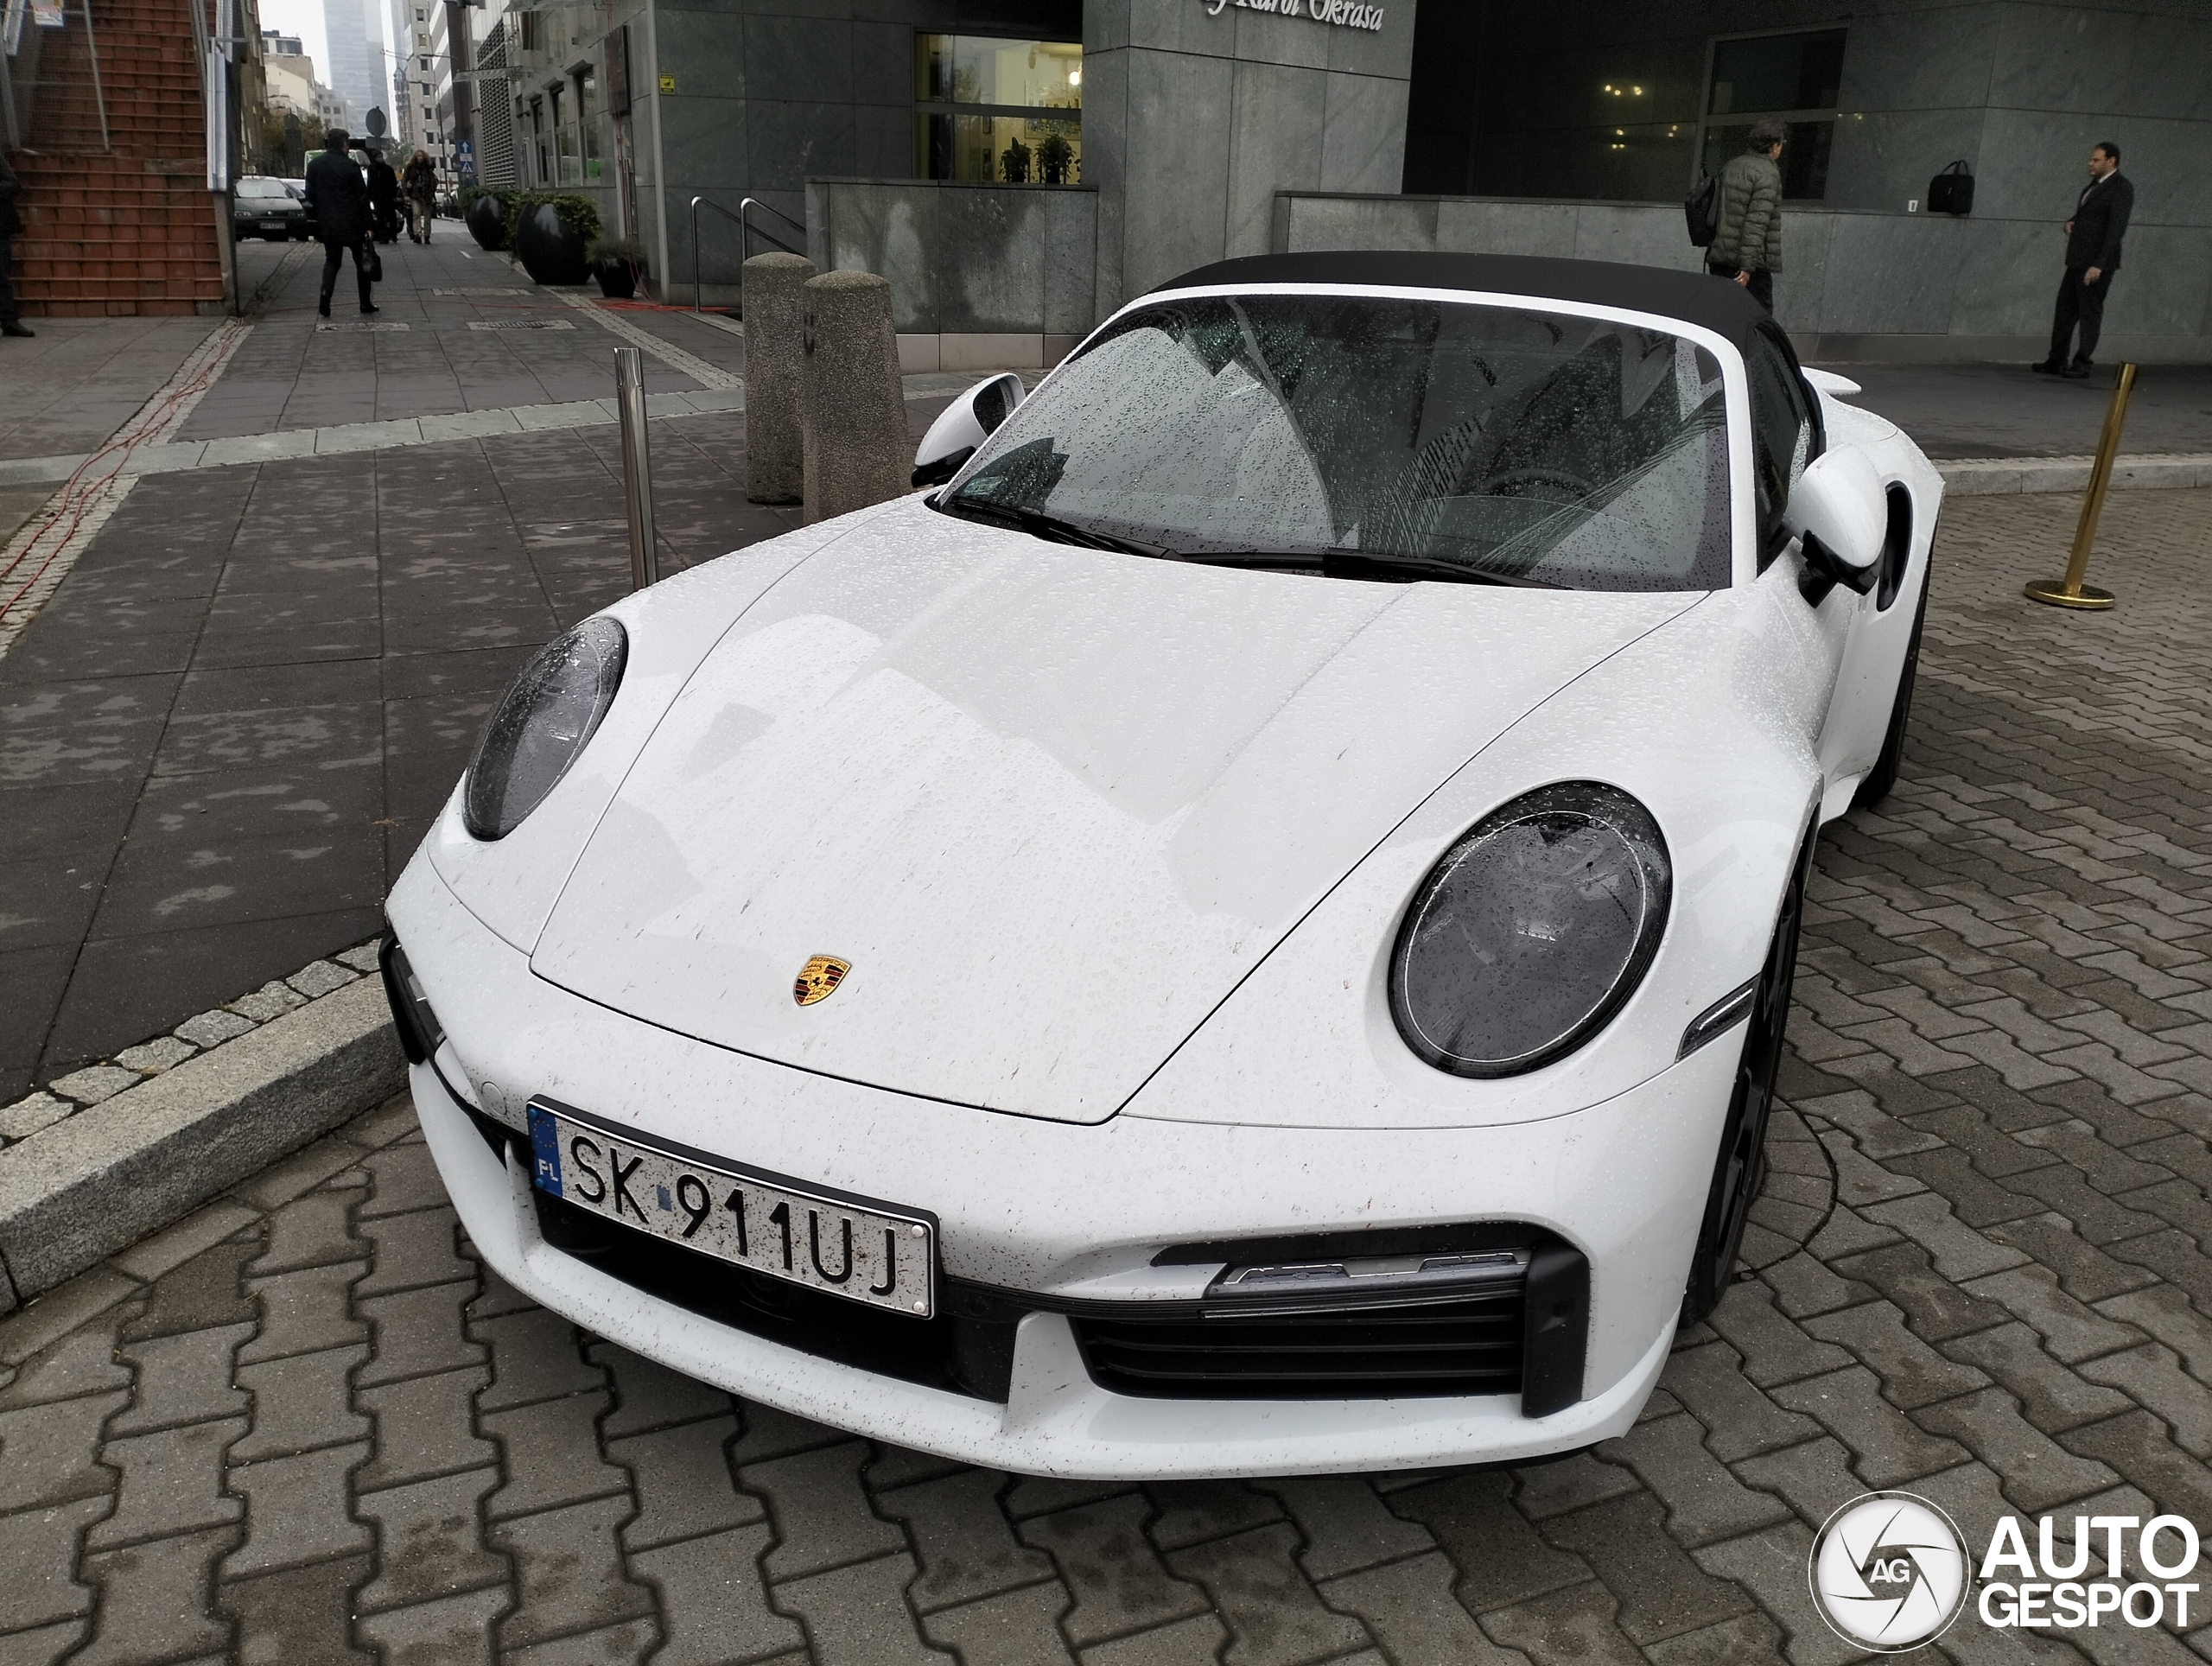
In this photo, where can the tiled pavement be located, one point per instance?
(291, 375)
(69, 388)
(2007, 411)
(305, 1426)
(223, 737)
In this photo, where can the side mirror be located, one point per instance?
(966, 423)
(1838, 512)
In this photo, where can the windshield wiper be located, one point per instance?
(1330, 563)
(1051, 528)
(1360, 563)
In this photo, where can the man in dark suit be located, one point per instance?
(2092, 257)
(11, 318)
(339, 199)
(384, 198)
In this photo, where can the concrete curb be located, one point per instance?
(1984, 476)
(135, 1163)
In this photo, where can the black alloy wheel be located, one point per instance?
(1883, 776)
(1741, 1168)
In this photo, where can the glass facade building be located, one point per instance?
(1019, 168)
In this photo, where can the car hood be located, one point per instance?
(1050, 803)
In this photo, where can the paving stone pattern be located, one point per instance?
(307, 1426)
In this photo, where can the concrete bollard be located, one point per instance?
(775, 324)
(856, 448)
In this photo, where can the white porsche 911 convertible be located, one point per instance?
(1248, 930)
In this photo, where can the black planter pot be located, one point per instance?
(486, 220)
(618, 279)
(549, 250)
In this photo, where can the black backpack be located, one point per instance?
(1702, 208)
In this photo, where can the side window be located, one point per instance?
(1783, 435)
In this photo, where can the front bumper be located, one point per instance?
(1055, 1422)
(1073, 1213)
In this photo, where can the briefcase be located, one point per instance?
(1951, 192)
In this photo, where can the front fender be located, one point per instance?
(1712, 723)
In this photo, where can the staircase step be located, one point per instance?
(117, 216)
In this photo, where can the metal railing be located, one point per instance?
(26, 46)
(745, 233)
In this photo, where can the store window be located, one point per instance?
(557, 109)
(540, 140)
(1796, 79)
(992, 109)
(589, 145)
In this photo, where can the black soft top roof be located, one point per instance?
(1725, 308)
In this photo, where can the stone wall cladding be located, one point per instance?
(305, 1421)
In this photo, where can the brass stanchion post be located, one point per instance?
(2071, 592)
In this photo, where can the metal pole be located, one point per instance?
(637, 467)
(694, 252)
(93, 51)
(2071, 592)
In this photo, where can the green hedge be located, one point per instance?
(579, 214)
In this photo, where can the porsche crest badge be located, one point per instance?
(819, 979)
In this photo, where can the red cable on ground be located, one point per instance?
(77, 493)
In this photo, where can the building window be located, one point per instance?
(557, 113)
(1796, 79)
(538, 139)
(992, 109)
(589, 147)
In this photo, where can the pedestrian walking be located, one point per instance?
(384, 197)
(339, 199)
(11, 317)
(418, 183)
(1747, 243)
(2092, 236)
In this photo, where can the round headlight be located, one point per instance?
(542, 724)
(1531, 933)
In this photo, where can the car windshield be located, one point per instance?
(263, 188)
(1508, 442)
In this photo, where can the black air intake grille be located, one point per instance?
(1465, 1347)
(953, 1351)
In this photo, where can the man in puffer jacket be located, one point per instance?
(1747, 247)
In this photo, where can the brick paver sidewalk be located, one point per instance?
(305, 1426)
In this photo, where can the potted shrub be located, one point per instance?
(618, 263)
(550, 232)
(485, 213)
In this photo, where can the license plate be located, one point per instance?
(859, 1251)
(272, 224)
